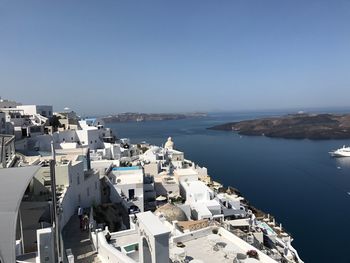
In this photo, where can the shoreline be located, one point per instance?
(296, 126)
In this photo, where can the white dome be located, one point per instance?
(171, 213)
(169, 144)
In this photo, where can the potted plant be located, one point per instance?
(253, 254)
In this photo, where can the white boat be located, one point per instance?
(342, 152)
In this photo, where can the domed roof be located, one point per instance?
(172, 213)
(169, 144)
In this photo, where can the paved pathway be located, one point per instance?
(78, 241)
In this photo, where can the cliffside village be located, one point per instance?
(140, 202)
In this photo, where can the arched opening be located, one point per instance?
(147, 257)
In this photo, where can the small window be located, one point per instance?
(90, 142)
(78, 180)
(79, 198)
(95, 185)
(71, 138)
(95, 141)
(88, 191)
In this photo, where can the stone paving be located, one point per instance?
(79, 242)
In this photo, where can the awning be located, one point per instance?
(14, 182)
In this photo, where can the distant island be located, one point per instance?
(294, 126)
(130, 116)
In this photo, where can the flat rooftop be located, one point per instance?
(121, 241)
(201, 247)
(60, 159)
(185, 171)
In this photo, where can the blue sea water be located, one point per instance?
(295, 180)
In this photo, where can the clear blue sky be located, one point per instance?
(175, 56)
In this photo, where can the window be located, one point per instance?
(95, 185)
(95, 141)
(88, 191)
(71, 138)
(79, 199)
(90, 142)
(78, 180)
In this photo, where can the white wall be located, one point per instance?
(44, 110)
(90, 138)
(106, 252)
(70, 200)
(69, 205)
(114, 194)
(195, 191)
(28, 109)
(65, 136)
(86, 188)
(130, 180)
(42, 141)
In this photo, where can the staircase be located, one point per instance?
(79, 242)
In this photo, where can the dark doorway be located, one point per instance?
(131, 193)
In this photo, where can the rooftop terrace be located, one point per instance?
(221, 247)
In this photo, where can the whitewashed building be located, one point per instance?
(128, 181)
(31, 110)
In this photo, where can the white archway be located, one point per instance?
(154, 239)
(147, 256)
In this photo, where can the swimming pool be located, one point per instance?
(126, 168)
(268, 229)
